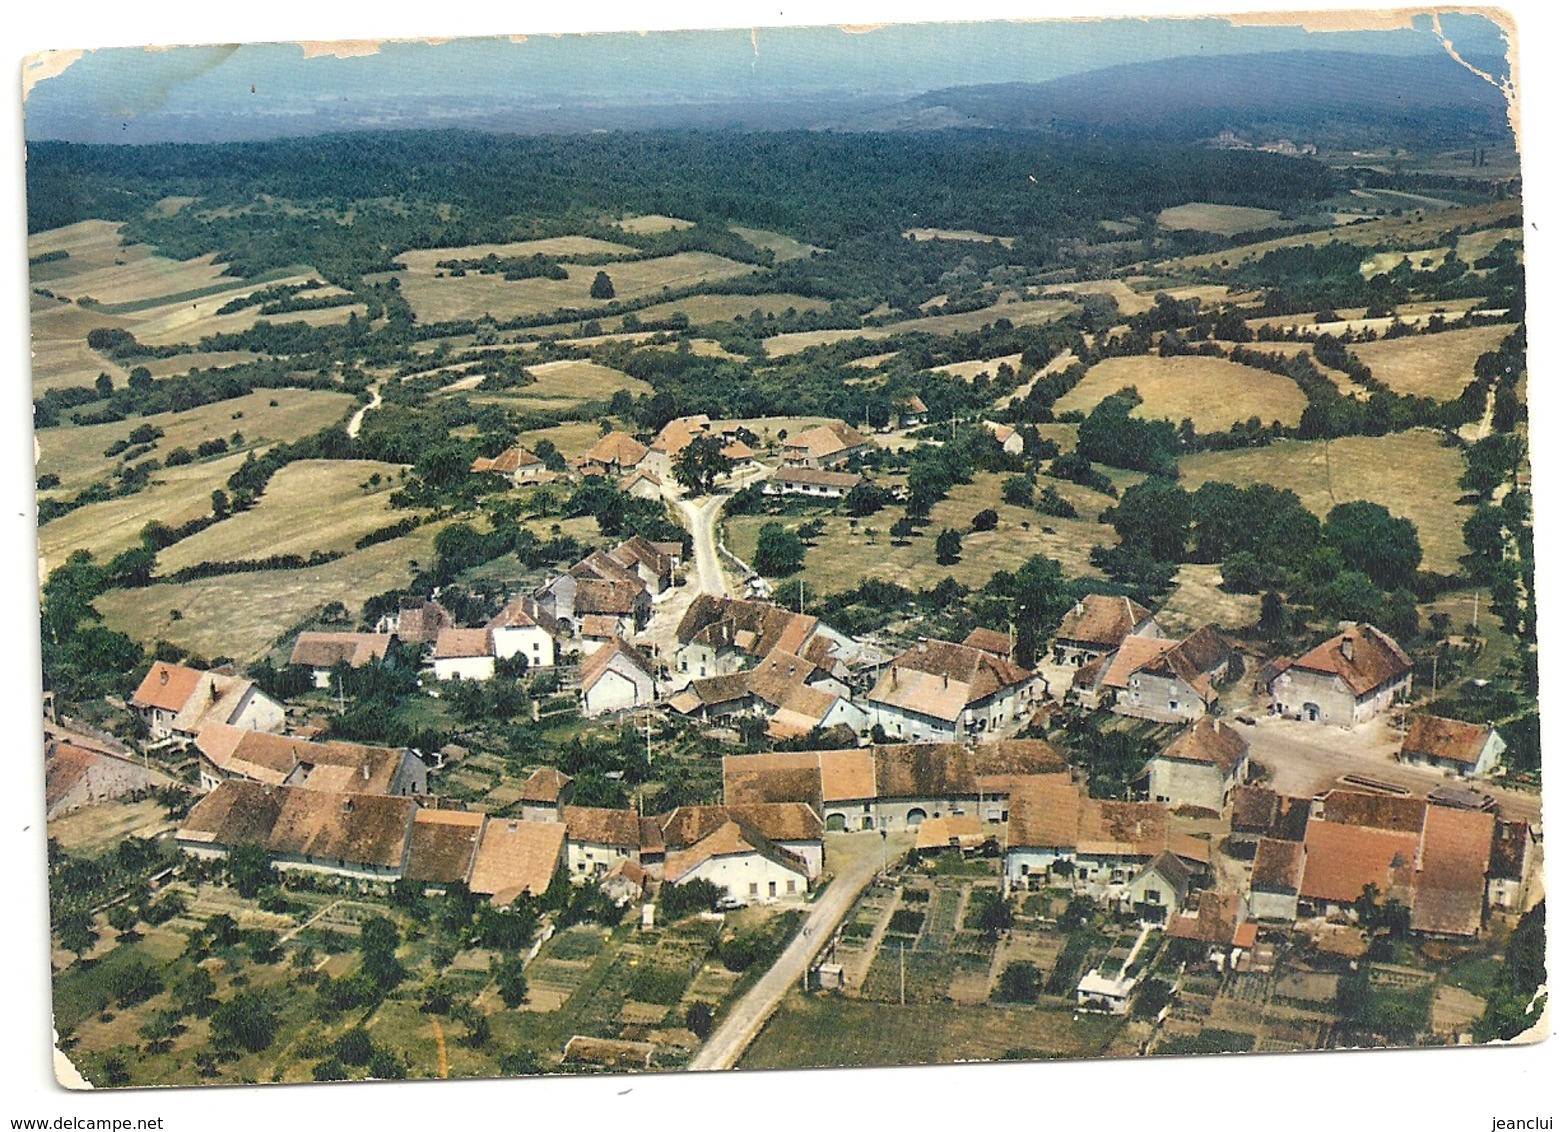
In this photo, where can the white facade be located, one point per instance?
(464, 667)
(530, 641)
(623, 685)
(751, 877)
(588, 859)
(1315, 697)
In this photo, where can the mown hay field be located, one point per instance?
(474, 295)
(422, 261)
(1431, 365)
(176, 496)
(1411, 473)
(75, 452)
(989, 366)
(1416, 229)
(241, 615)
(653, 224)
(309, 505)
(1019, 312)
(566, 384)
(193, 320)
(958, 234)
(1212, 392)
(784, 247)
(1415, 314)
(1222, 219)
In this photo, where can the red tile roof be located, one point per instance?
(1211, 742)
(1375, 659)
(167, 686)
(1342, 860)
(1451, 883)
(1453, 740)
(1101, 621)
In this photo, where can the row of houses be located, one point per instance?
(1448, 864)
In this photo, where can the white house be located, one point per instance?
(1009, 439)
(1200, 767)
(816, 483)
(939, 691)
(792, 826)
(464, 654)
(1277, 880)
(737, 858)
(596, 839)
(519, 629)
(175, 702)
(321, 652)
(286, 760)
(616, 677)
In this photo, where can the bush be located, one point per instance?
(1019, 982)
(905, 921)
(354, 1047)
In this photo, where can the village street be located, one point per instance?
(855, 858)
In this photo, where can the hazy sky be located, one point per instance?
(210, 93)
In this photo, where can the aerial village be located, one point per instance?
(1292, 816)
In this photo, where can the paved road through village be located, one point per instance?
(745, 1020)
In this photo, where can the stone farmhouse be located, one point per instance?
(464, 654)
(718, 636)
(939, 691)
(826, 446)
(515, 463)
(1201, 767)
(794, 695)
(676, 436)
(1097, 626)
(227, 752)
(814, 483)
(175, 702)
(615, 454)
(1163, 680)
(416, 621)
(1347, 680)
(545, 794)
(616, 677)
(76, 776)
(524, 628)
(1470, 750)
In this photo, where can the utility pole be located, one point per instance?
(903, 972)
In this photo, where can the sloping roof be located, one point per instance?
(508, 462)
(826, 440)
(801, 710)
(627, 482)
(1374, 811)
(1375, 659)
(545, 784)
(599, 626)
(989, 641)
(1211, 742)
(216, 699)
(521, 613)
(964, 830)
(793, 776)
(598, 826)
(365, 829)
(1454, 740)
(844, 776)
(601, 595)
(638, 549)
(455, 644)
(777, 821)
(443, 845)
(1170, 866)
(938, 770)
(757, 628)
(326, 650)
(1193, 659)
(1450, 891)
(1510, 844)
(1254, 809)
(1045, 814)
(1122, 828)
(941, 679)
(1278, 866)
(618, 448)
(1101, 621)
(515, 857)
(608, 657)
(277, 759)
(236, 813)
(816, 477)
(166, 686)
(67, 765)
(733, 837)
(676, 434)
(420, 621)
(1342, 860)
(1215, 919)
(1134, 654)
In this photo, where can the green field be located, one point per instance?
(1223, 219)
(1411, 473)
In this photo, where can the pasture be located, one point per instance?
(1019, 312)
(653, 224)
(422, 261)
(176, 496)
(75, 452)
(309, 505)
(846, 554)
(1411, 473)
(565, 384)
(965, 234)
(241, 615)
(783, 247)
(1197, 599)
(1222, 219)
(1431, 365)
(969, 370)
(1416, 314)
(1416, 229)
(438, 299)
(1212, 392)
(1421, 259)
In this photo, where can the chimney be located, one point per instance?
(366, 772)
(164, 676)
(347, 805)
(1347, 647)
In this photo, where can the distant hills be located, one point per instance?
(1335, 98)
